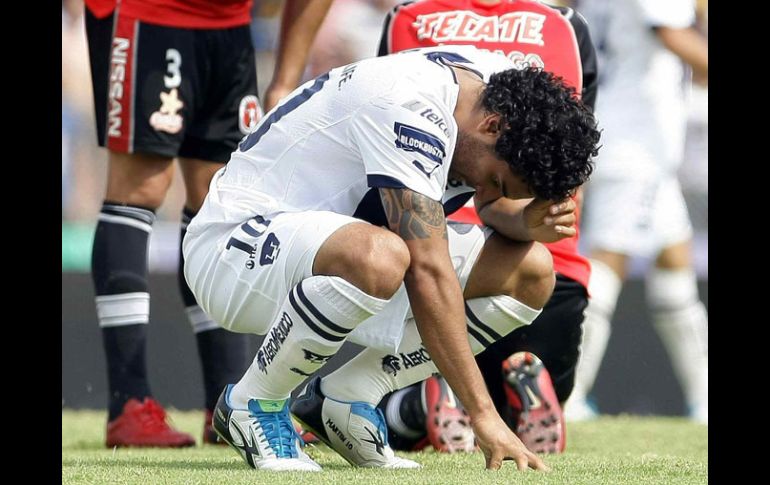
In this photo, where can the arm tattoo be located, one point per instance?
(412, 215)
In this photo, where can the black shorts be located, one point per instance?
(171, 91)
(554, 337)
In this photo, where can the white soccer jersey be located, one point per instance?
(380, 122)
(641, 102)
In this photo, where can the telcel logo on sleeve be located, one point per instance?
(413, 139)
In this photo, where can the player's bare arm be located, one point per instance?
(531, 219)
(689, 45)
(300, 22)
(437, 303)
(412, 215)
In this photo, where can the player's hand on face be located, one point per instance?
(551, 221)
(498, 443)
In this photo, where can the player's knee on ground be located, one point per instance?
(371, 258)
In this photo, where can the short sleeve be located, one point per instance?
(405, 144)
(677, 14)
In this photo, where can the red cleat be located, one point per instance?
(534, 411)
(144, 424)
(307, 436)
(210, 436)
(447, 423)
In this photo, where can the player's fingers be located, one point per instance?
(560, 220)
(565, 231)
(567, 205)
(494, 461)
(536, 463)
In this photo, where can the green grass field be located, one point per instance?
(611, 450)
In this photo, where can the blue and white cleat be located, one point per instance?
(355, 430)
(263, 434)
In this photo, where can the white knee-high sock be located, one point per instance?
(681, 321)
(492, 318)
(372, 374)
(604, 287)
(311, 326)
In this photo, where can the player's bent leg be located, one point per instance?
(348, 420)
(317, 312)
(355, 272)
(373, 373)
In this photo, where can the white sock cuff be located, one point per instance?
(505, 306)
(515, 309)
(335, 294)
(123, 309)
(604, 286)
(493, 317)
(199, 320)
(671, 289)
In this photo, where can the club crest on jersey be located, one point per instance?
(270, 250)
(412, 139)
(167, 118)
(465, 26)
(249, 113)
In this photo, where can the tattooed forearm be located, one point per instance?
(412, 215)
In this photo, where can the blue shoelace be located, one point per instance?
(279, 432)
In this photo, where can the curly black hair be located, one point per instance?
(548, 136)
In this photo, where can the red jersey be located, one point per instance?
(527, 32)
(186, 14)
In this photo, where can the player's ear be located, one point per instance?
(490, 125)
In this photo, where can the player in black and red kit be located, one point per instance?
(171, 79)
(556, 39)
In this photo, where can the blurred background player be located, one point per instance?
(634, 203)
(171, 79)
(528, 392)
(300, 23)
